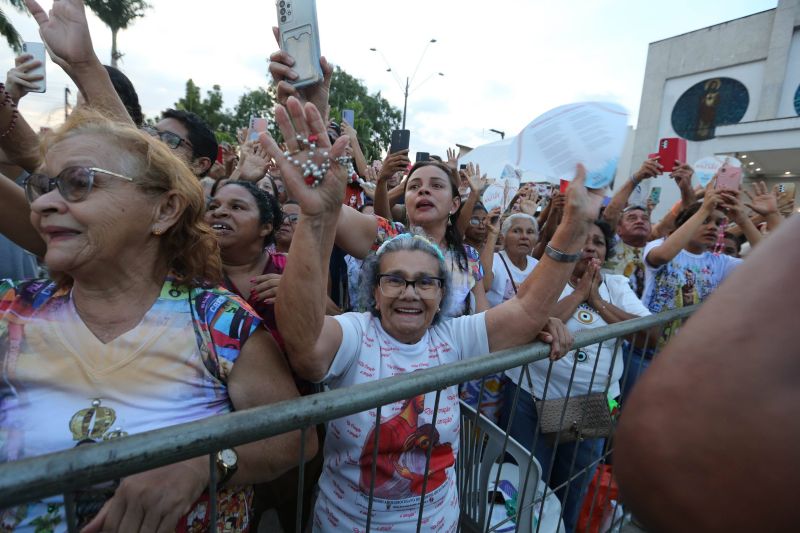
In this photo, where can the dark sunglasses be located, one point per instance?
(73, 183)
(173, 140)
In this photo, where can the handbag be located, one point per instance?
(582, 417)
(564, 420)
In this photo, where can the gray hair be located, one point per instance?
(405, 242)
(507, 223)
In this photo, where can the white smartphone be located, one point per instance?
(38, 52)
(297, 21)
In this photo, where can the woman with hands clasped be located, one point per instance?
(590, 300)
(405, 287)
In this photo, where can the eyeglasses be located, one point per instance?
(393, 286)
(173, 140)
(477, 221)
(292, 218)
(74, 183)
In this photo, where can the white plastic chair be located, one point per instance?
(479, 458)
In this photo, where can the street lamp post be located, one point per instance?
(408, 80)
(502, 134)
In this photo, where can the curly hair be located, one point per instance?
(269, 210)
(405, 242)
(189, 247)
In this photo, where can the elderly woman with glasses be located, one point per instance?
(131, 334)
(406, 286)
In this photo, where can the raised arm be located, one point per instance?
(679, 239)
(395, 162)
(65, 31)
(311, 343)
(15, 221)
(359, 161)
(613, 210)
(520, 319)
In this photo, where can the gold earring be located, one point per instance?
(157, 231)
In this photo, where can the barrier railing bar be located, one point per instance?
(36, 477)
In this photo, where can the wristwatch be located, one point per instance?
(227, 464)
(562, 257)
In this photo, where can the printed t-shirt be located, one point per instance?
(627, 261)
(368, 353)
(615, 290)
(686, 280)
(502, 289)
(63, 387)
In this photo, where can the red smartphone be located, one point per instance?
(729, 177)
(219, 154)
(671, 149)
(564, 186)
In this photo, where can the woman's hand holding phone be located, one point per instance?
(19, 80)
(280, 67)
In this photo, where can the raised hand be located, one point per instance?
(280, 67)
(682, 174)
(452, 158)
(762, 201)
(19, 81)
(65, 32)
(395, 162)
(253, 163)
(582, 204)
(649, 169)
(305, 127)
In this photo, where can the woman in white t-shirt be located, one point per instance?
(590, 300)
(514, 263)
(406, 284)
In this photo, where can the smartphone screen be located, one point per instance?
(655, 195)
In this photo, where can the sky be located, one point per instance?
(504, 61)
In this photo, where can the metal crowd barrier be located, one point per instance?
(64, 472)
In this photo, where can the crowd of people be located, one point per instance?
(177, 287)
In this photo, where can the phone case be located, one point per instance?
(297, 21)
(729, 177)
(400, 140)
(655, 195)
(564, 185)
(258, 125)
(38, 52)
(670, 150)
(349, 116)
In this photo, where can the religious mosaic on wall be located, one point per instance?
(708, 104)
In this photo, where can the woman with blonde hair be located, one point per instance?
(132, 333)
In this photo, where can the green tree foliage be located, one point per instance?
(375, 117)
(7, 29)
(117, 15)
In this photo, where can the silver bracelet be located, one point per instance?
(562, 257)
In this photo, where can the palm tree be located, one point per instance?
(117, 15)
(7, 29)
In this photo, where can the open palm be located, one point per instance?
(65, 31)
(327, 196)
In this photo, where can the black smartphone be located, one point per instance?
(462, 167)
(423, 156)
(400, 140)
